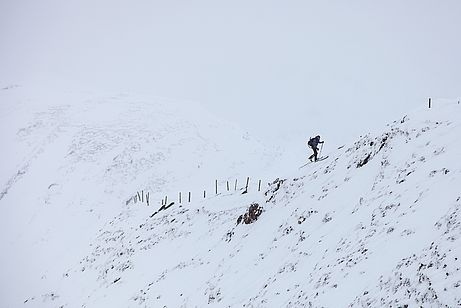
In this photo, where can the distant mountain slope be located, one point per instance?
(71, 160)
(377, 224)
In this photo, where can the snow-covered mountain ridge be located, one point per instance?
(377, 224)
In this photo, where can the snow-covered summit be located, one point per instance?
(71, 160)
(376, 224)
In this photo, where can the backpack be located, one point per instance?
(311, 142)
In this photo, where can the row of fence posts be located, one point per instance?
(140, 197)
(216, 191)
(430, 102)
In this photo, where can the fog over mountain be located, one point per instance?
(153, 153)
(299, 64)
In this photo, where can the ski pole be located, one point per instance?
(320, 152)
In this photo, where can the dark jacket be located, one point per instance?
(314, 142)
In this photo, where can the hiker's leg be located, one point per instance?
(313, 154)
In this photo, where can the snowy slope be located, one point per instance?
(71, 160)
(376, 224)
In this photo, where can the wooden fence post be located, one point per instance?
(227, 184)
(179, 197)
(216, 186)
(429, 103)
(235, 187)
(142, 195)
(189, 196)
(246, 186)
(166, 200)
(259, 185)
(147, 198)
(204, 194)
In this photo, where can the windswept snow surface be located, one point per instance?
(70, 162)
(376, 224)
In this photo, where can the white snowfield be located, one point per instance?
(376, 224)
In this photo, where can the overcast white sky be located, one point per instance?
(287, 69)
